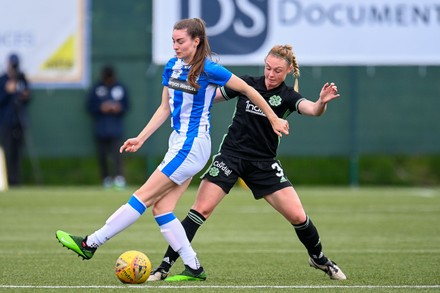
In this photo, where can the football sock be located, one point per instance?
(191, 224)
(174, 233)
(118, 221)
(309, 237)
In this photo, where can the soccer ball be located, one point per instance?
(132, 267)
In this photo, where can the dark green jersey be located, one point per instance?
(250, 136)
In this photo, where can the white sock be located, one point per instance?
(124, 217)
(175, 235)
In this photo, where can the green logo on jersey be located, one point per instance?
(275, 101)
(214, 171)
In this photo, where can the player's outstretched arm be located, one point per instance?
(328, 93)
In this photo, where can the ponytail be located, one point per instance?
(286, 52)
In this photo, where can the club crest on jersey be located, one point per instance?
(214, 171)
(182, 85)
(275, 101)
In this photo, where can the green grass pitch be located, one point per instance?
(384, 239)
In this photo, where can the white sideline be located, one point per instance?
(227, 287)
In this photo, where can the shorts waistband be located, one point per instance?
(199, 134)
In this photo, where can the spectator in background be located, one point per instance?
(14, 97)
(107, 103)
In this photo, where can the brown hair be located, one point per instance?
(195, 28)
(286, 52)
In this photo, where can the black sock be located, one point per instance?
(191, 224)
(309, 237)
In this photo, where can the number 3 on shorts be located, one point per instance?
(277, 167)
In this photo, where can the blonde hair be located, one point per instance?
(286, 52)
(195, 27)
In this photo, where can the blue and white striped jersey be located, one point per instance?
(190, 107)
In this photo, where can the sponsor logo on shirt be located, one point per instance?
(181, 85)
(251, 108)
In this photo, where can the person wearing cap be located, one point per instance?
(107, 103)
(14, 98)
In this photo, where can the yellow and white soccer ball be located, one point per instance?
(133, 267)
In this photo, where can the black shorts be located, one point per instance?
(262, 177)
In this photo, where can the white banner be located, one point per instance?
(330, 32)
(51, 39)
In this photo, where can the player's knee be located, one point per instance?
(297, 219)
(203, 210)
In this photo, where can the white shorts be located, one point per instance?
(186, 156)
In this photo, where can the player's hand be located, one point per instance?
(280, 126)
(329, 92)
(131, 145)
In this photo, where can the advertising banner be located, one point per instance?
(51, 39)
(330, 32)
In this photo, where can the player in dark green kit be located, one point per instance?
(249, 151)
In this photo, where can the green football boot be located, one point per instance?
(188, 274)
(76, 244)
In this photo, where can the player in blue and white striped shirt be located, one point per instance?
(190, 80)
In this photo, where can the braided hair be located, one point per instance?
(286, 52)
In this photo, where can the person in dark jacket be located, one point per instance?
(107, 103)
(14, 97)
